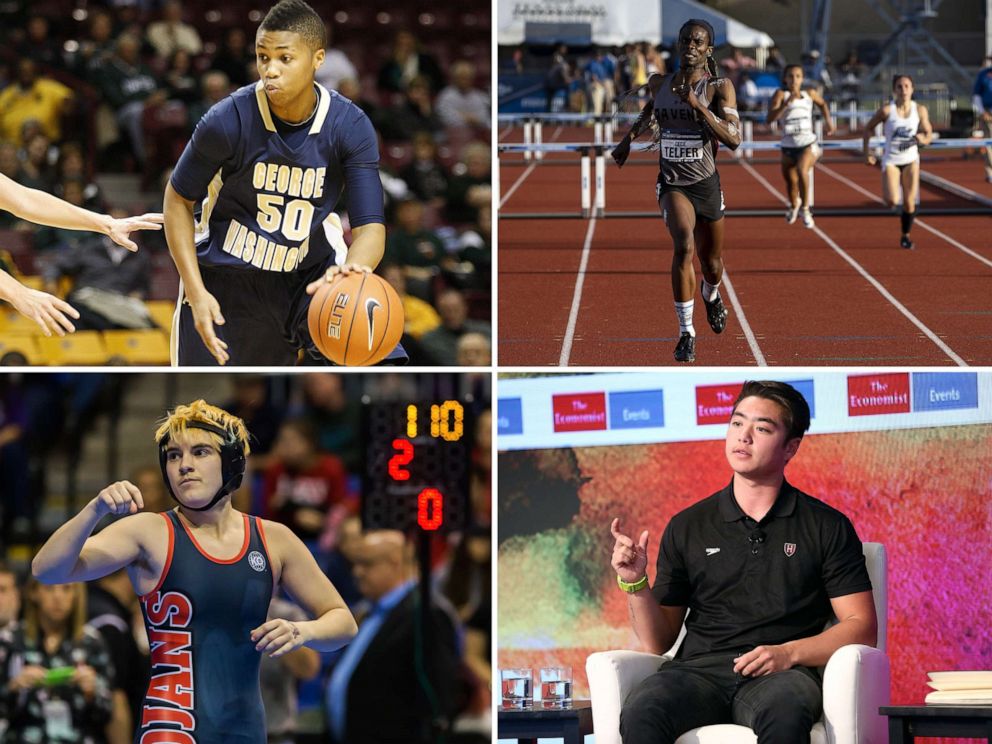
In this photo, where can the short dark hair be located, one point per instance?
(785, 70)
(298, 17)
(897, 78)
(795, 409)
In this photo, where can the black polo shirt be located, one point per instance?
(750, 583)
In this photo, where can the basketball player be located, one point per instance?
(907, 126)
(205, 574)
(32, 205)
(799, 149)
(267, 165)
(694, 110)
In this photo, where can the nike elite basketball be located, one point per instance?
(356, 320)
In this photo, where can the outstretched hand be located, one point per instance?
(120, 230)
(630, 559)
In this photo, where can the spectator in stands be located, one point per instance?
(279, 678)
(442, 343)
(36, 168)
(335, 416)
(72, 167)
(557, 80)
(466, 584)
(128, 86)
(179, 81)
(414, 112)
(596, 78)
(109, 282)
(10, 163)
(148, 479)
(304, 488)
(417, 249)
(252, 404)
(736, 64)
(406, 62)
(358, 691)
(97, 46)
(336, 65)
(112, 610)
(171, 33)
(215, 88)
(235, 57)
(474, 350)
(475, 248)
(981, 102)
(38, 44)
(10, 598)
(470, 188)
(350, 89)
(36, 97)
(748, 96)
(851, 71)
(15, 506)
(35, 694)
(776, 60)
(461, 104)
(654, 60)
(60, 239)
(419, 316)
(425, 174)
(815, 73)
(340, 559)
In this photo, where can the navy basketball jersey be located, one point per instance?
(266, 188)
(204, 685)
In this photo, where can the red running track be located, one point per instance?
(842, 294)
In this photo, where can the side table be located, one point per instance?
(528, 724)
(906, 722)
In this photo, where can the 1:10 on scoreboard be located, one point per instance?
(447, 421)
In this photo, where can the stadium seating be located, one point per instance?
(145, 347)
(79, 348)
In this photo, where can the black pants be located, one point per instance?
(780, 708)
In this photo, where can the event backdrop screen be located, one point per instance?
(907, 456)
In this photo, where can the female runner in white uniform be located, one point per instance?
(907, 126)
(794, 106)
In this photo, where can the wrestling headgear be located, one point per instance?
(232, 460)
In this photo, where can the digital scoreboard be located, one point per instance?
(416, 467)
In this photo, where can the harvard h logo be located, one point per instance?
(790, 549)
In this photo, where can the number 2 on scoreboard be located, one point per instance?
(399, 461)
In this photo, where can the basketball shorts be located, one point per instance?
(706, 196)
(265, 319)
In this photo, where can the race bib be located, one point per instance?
(681, 147)
(796, 126)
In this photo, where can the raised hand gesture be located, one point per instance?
(630, 559)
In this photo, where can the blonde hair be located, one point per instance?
(75, 622)
(184, 417)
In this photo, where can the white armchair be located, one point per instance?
(855, 684)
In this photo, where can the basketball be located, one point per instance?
(356, 319)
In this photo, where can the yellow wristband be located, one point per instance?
(635, 587)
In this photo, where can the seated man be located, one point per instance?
(761, 565)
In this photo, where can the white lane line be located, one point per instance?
(920, 222)
(861, 270)
(530, 169)
(759, 358)
(506, 131)
(580, 280)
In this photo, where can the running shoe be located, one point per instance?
(686, 349)
(906, 243)
(808, 219)
(791, 214)
(716, 314)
